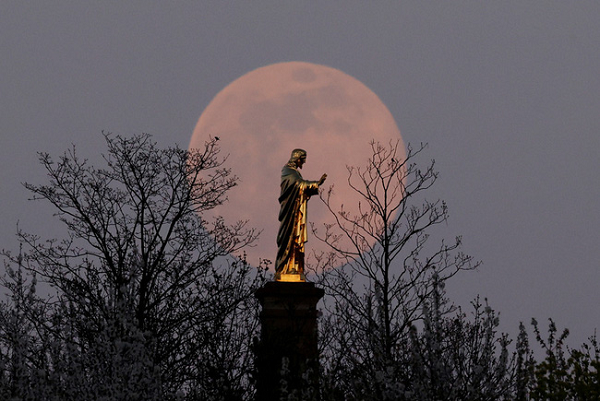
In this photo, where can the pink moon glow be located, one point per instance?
(265, 114)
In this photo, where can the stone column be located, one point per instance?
(287, 356)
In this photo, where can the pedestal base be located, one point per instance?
(287, 356)
(291, 278)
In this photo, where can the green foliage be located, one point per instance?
(564, 374)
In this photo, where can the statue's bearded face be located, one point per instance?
(298, 158)
(301, 161)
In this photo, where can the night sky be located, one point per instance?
(507, 94)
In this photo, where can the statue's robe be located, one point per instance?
(295, 192)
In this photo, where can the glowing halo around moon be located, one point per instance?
(262, 116)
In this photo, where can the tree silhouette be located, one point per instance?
(144, 283)
(143, 300)
(385, 307)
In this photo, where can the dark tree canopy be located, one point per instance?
(147, 299)
(141, 267)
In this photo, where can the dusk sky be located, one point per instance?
(506, 94)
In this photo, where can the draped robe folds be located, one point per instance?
(295, 192)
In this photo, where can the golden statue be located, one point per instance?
(295, 192)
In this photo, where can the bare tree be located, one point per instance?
(388, 271)
(142, 273)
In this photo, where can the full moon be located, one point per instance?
(262, 116)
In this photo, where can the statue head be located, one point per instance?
(297, 158)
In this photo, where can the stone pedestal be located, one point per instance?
(287, 356)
